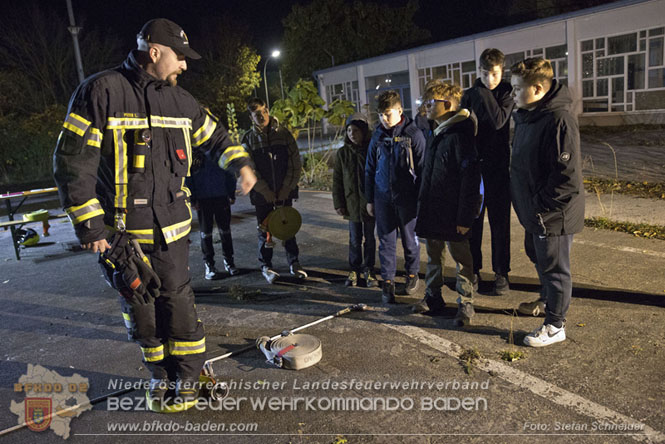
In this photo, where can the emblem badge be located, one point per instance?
(38, 413)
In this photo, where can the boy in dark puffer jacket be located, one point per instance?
(349, 200)
(449, 197)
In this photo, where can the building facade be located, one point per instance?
(612, 57)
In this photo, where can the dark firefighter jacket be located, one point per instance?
(449, 194)
(546, 167)
(107, 176)
(277, 162)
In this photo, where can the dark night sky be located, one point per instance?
(443, 18)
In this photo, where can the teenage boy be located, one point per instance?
(392, 180)
(213, 192)
(277, 164)
(489, 98)
(449, 199)
(546, 185)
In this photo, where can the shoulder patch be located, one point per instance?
(565, 156)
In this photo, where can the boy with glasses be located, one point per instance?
(449, 199)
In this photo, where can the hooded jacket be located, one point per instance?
(210, 181)
(493, 109)
(546, 167)
(348, 188)
(108, 178)
(277, 162)
(449, 194)
(394, 164)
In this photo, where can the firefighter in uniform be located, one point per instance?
(120, 165)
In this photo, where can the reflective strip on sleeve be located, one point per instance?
(230, 154)
(203, 134)
(153, 354)
(188, 146)
(171, 122)
(143, 236)
(179, 348)
(76, 124)
(81, 213)
(120, 168)
(126, 123)
(94, 138)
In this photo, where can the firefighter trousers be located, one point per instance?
(168, 331)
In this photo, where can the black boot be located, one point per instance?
(388, 293)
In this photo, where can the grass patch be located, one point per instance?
(648, 190)
(640, 230)
(511, 356)
(468, 359)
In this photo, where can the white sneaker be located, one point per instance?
(545, 335)
(211, 271)
(269, 274)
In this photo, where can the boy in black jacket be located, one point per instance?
(449, 199)
(490, 100)
(546, 185)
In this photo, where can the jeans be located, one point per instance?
(551, 256)
(265, 253)
(357, 231)
(436, 254)
(390, 218)
(219, 210)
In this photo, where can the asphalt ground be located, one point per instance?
(387, 375)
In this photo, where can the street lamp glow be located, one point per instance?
(275, 53)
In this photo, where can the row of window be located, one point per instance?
(619, 73)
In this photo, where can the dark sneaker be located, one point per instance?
(412, 282)
(187, 389)
(269, 274)
(211, 272)
(352, 279)
(545, 335)
(433, 304)
(388, 293)
(501, 285)
(476, 281)
(535, 308)
(297, 270)
(157, 389)
(370, 279)
(464, 314)
(230, 267)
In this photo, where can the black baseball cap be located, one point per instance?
(165, 32)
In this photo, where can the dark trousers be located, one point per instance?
(497, 203)
(357, 260)
(215, 210)
(390, 218)
(265, 253)
(551, 256)
(168, 331)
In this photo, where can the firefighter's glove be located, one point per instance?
(150, 280)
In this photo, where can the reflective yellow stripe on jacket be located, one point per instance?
(201, 135)
(76, 124)
(119, 125)
(81, 213)
(232, 153)
(176, 231)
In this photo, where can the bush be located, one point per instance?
(27, 144)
